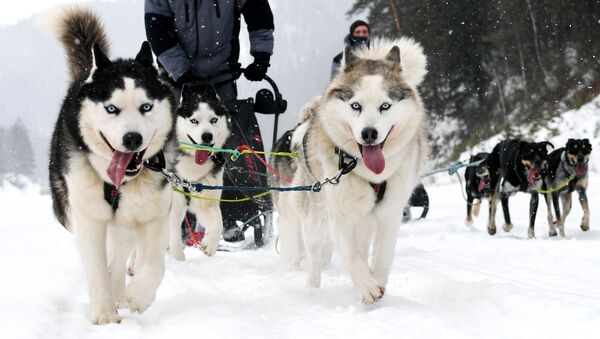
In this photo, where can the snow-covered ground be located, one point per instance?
(447, 281)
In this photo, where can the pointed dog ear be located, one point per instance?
(186, 92)
(548, 143)
(349, 57)
(144, 56)
(100, 59)
(394, 55)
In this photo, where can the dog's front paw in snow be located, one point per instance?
(139, 297)
(210, 243)
(105, 315)
(370, 290)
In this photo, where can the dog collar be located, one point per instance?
(112, 195)
(379, 190)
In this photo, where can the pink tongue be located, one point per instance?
(373, 158)
(481, 185)
(531, 174)
(117, 167)
(201, 157)
(580, 169)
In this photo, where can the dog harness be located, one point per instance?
(379, 189)
(111, 192)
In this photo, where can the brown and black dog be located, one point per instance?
(567, 172)
(516, 166)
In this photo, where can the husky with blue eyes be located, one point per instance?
(116, 117)
(202, 119)
(371, 114)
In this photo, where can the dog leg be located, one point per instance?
(120, 247)
(469, 220)
(507, 222)
(492, 217)
(176, 216)
(551, 225)
(314, 234)
(476, 207)
(210, 216)
(585, 221)
(289, 227)
(384, 249)
(566, 206)
(131, 263)
(90, 236)
(345, 234)
(152, 239)
(533, 207)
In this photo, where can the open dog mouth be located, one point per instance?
(373, 157)
(580, 169)
(533, 175)
(123, 164)
(201, 156)
(484, 182)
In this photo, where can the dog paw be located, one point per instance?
(469, 221)
(491, 230)
(372, 295)
(139, 298)
(507, 227)
(106, 315)
(530, 233)
(552, 233)
(585, 227)
(209, 245)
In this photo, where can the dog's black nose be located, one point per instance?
(369, 135)
(207, 137)
(132, 141)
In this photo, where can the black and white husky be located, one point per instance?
(116, 116)
(371, 112)
(203, 119)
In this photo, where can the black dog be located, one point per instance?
(516, 166)
(477, 184)
(418, 198)
(566, 172)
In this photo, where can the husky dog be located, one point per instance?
(477, 184)
(201, 119)
(516, 166)
(372, 115)
(116, 116)
(571, 160)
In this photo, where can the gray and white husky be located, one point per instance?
(201, 119)
(371, 111)
(116, 116)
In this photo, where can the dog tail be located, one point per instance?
(78, 30)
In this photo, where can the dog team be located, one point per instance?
(119, 119)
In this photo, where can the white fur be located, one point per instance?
(412, 58)
(347, 213)
(208, 212)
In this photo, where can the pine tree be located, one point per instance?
(19, 150)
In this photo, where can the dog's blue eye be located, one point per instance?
(194, 121)
(112, 109)
(356, 106)
(146, 108)
(214, 120)
(385, 106)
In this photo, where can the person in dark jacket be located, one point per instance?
(358, 36)
(199, 40)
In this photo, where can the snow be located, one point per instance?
(448, 280)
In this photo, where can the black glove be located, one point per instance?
(186, 77)
(257, 70)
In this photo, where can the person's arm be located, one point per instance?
(259, 18)
(162, 35)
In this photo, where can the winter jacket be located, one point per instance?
(201, 36)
